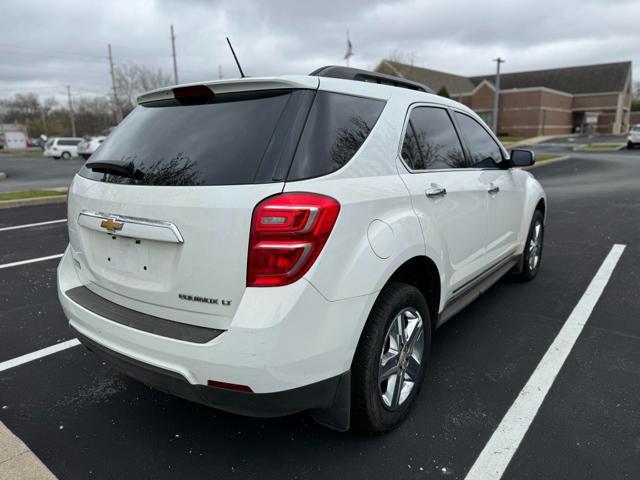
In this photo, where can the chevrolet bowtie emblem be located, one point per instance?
(111, 225)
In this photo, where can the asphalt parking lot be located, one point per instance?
(83, 420)
(30, 173)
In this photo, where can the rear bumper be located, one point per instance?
(288, 344)
(319, 395)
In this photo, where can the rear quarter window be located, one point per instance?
(336, 128)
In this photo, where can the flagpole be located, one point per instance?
(348, 56)
(349, 50)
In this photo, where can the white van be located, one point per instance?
(62, 147)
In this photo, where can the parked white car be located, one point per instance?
(62, 147)
(87, 146)
(273, 245)
(633, 138)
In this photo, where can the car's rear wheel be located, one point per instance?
(85, 156)
(389, 364)
(66, 155)
(532, 255)
(629, 145)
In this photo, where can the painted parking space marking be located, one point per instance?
(31, 260)
(29, 357)
(497, 453)
(31, 225)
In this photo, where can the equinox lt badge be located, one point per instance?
(195, 298)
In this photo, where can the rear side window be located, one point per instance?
(431, 141)
(68, 142)
(336, 128)
(483, 149)
(221, 143)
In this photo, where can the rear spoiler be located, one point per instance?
(236, 85)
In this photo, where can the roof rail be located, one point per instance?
(347, 73)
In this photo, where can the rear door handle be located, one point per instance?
(493, 189)
(435, 191)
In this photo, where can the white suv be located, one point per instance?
(272, 245)
(633, 138)
(88, 146)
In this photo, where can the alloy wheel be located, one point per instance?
(401, 358)
(535, 246)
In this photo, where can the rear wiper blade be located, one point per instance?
(116, 168)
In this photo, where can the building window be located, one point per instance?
(487, 117)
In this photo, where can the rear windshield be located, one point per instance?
(253, 137)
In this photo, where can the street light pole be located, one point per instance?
(73, 121)
(496, 98)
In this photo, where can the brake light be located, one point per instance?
(230, 386)
(288, 232)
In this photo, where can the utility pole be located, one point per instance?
(115, 91)
(73, 121)
(175, 63)
(44, 121)
(496, 98)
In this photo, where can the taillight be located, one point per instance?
(288, 232)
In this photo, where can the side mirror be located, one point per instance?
(522, 158)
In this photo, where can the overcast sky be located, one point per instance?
(46, 45)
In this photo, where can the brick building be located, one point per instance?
(541, 102)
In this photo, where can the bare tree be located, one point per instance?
(398, 56)
(635, 94)
(21, 107)
(133, 79)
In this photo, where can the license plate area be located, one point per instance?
(128, 255)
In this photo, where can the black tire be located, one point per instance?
(530, 268)
(85, 156)
(65, 156)
(368, 409)
(629, 145)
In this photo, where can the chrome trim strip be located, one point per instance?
(135, 221)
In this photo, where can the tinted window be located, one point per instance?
(410, 150)
(482, 147)
(68, 142)
(219, 143)
(431, 141)
(336, 128)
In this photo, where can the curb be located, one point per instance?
(28, 202)
(586, 148)
(535, 140)
(548, 162)
(17, 461)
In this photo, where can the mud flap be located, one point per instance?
(338, 415)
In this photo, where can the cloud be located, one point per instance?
(47, 45)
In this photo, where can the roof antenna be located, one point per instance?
(242, 75)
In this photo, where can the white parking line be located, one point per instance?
(29, 225)
(504, 442)
(29, 357)
(31, 260)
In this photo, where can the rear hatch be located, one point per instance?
(160, 215)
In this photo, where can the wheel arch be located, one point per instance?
(421, 272)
